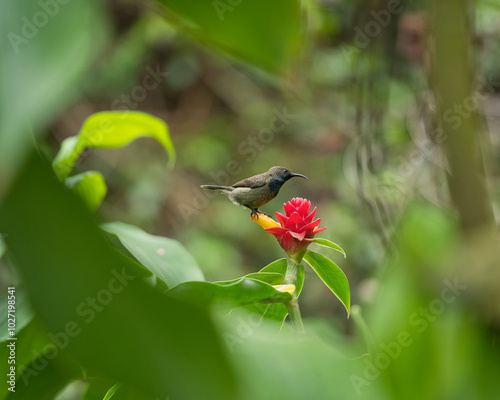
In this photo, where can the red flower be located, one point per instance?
(297, 228)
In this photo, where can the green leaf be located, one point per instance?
(331, 275)
(111, 129)
(272, 278)
(279, 266)
(112, 391)
(166, 258)
(137, 335)
(267, 34)
(241, 292)
(330, 244)
(90, 186)
(45, 55)
(97, 387)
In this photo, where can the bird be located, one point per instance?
(257, 190)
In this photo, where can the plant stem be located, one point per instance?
(293, 305)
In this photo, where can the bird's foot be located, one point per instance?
(255, 213)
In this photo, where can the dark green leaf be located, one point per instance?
(166, 258)
(111, 129)
(240, 292)
(331, 275)
(86, 295)
(272, 278)
(90, 186)
(268, 34)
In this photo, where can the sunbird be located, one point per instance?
(257, 190)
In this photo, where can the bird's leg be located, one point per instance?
(255, 212)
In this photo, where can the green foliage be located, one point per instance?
(267, 34)
(240, 292)
(111, 129)
(330, 244)
(72, 261)
(129, 315)
(331, 275)
(166, 258)
(41, 71)
(279, 266)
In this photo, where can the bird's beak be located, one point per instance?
(302, 176)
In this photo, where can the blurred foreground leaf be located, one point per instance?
(267, 34)
(88, 298)
(45, 48)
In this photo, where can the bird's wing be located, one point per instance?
(253, 182)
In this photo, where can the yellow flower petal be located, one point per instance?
(265, 221)
(285, 288)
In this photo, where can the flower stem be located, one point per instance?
(292, 306)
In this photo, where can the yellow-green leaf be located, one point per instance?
(111, 129)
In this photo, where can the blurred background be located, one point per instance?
(356, 120)
(390, 108)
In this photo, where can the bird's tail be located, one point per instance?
(216, 187)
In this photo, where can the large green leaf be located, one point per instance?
(241, 292)
(90, 186)
(46, 48)
(87, 295)
(111, 129)
(166, 258)
(331, 275)
(265, 33)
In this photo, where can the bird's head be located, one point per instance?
(283, 174)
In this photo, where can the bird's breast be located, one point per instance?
(253, 198)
